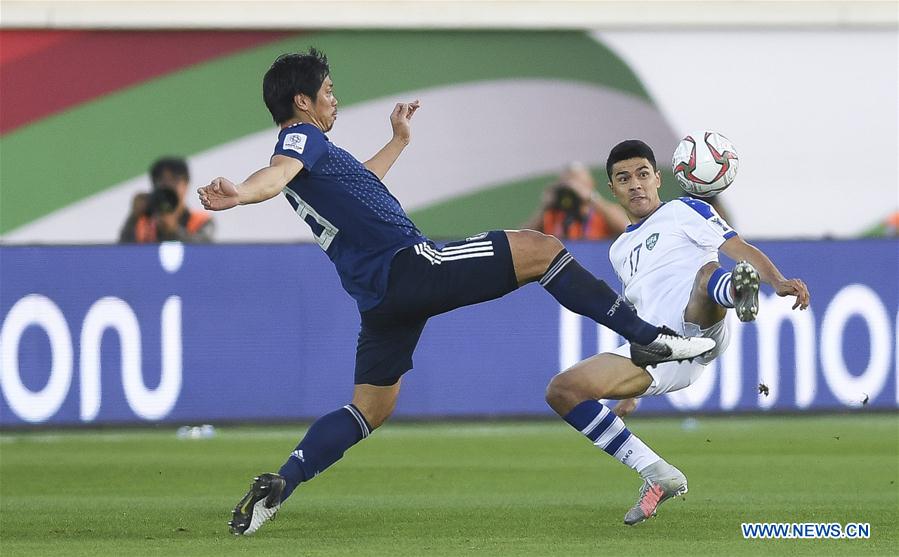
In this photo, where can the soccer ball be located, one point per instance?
(705, 163)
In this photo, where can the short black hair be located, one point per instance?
(630, 149)
(290, 75)
(177, 166)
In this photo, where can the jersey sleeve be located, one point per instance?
(702, 224)
(305, 142)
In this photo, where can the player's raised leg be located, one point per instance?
(715, 290)
(325, 442)
(540, 257)
(574, 395)
(713, 294)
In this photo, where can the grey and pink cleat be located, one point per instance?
(745, 280)
(661, 482)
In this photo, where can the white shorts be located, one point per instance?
(672, 376)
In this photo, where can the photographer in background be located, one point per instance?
(161, 215)
(572, 209)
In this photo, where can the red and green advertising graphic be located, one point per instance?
(84, 113)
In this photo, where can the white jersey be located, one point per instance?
(657, 259)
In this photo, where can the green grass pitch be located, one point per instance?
(486, 488)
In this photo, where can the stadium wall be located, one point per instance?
(185, 334)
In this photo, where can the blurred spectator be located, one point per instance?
(572, 209)
(161, 215)
(886, 228)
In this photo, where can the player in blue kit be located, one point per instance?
(397, 276)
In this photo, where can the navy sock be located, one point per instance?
(324, 444)
(719, 288)
(607, 431)
(578, 290)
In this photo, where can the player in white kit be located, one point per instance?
(667, 260)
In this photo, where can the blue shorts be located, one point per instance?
(424, 281)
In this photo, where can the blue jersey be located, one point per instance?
(353, 217)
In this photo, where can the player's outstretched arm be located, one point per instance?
(401, 122)
(739, 250)
(263, 184)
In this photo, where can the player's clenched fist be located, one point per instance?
(220, 194)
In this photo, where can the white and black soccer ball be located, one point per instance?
(705, 163)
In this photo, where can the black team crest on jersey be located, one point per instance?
(651, 241)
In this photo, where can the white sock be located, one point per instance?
(637, 454)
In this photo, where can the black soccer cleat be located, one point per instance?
(670, 347)
(258, 506)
